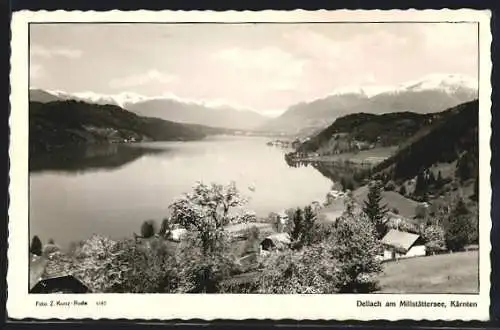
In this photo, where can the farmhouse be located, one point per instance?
(279, 241)
(50, 277)
(398, 244)
(60, 284)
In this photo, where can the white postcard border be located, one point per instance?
(233, 306)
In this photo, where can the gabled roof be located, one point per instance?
(279, 239)
(399, 239)
(239, 227)
(67, 283)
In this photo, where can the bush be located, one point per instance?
(148, 267)
(309, 271)
(148, 229)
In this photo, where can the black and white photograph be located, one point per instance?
(255, 157)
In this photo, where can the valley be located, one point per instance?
(425, 163)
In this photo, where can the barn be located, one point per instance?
(399, 244)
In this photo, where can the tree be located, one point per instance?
(199, 272)
(402, 190)
(145, 267)
(165, 227)
(466, 166)
(434, 238)
(475, 196)
(36, 246)
(207, 210)
(298, 220)
(344, 262)
(439, 180)
(374, 209)
(309, 226)
(355, 250)
(148, 229)
(458, 227)
(97, 263)
(421, 184)
(252, 241)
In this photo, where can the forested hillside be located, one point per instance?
(364, 131)
(63, 123)
(453, 139)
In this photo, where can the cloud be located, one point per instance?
(142, 79)
(269, 67)
(36, 71)
(37, 50)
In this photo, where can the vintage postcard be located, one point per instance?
(320, 165)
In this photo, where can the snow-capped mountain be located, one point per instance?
(168, 106)
(122, 99)
(431, 93)
(449, 83)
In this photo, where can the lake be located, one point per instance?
(111, 189)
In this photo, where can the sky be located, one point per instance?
(264, 67)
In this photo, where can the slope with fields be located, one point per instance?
(432, 274)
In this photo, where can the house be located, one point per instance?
(240, 230)
(60, 284)
(47, 276)
(177, 234)
(399, 244)
(283, 218)
(279, 241)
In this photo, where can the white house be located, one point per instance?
(399, 244)
(177, 234)
(283, 218)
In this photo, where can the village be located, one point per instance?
(257, 239)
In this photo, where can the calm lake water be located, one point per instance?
(112, 189)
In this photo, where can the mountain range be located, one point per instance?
(164, 107)
(429, 94)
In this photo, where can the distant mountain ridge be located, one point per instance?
(164, 107)
(430, 94)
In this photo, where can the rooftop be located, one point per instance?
(399, 239)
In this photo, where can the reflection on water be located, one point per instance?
(89, 157)
(111, 189)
